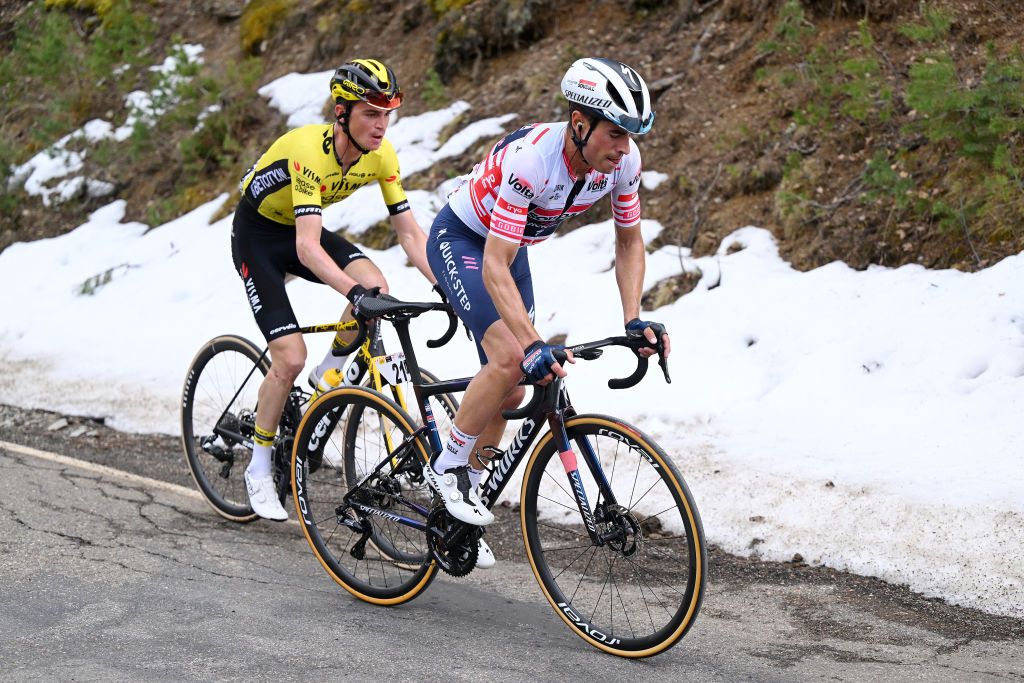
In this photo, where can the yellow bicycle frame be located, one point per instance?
(366, 355)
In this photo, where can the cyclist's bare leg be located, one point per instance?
(287, 358)
(494, 388)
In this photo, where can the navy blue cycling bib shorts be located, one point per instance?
(456, 257)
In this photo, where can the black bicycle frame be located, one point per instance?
(551, 402)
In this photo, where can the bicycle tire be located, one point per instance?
(356, 467)
(215, 375)
(660, 585)
(319, 501)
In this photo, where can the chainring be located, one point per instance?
(461, 559)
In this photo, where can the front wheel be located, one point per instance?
(638, 591)
(218, 415)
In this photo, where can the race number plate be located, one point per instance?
(393, 368)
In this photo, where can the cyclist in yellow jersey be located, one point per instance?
(278, 229)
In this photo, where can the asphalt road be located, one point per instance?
(113, 576)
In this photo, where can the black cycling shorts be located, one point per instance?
(263, 252)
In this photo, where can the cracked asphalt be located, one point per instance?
(106, 576)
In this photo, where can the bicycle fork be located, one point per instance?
(571, 465)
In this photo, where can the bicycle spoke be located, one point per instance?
(573, 562)
(567, 507)
(584, 575)
(655, 575)
(559, 485)
(629, 600)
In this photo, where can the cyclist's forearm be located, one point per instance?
(414, 242)
(313, 256)
(630, 266)
(327, 270)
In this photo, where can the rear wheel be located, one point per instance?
(218, 410)
(637, 592)
(361, 455)
(368, 532)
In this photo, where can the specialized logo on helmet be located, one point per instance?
(630, 76)
(588, 100)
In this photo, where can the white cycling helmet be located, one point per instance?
(609, 90)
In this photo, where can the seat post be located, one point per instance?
(401, 325)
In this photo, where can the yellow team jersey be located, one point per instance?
(300, 174)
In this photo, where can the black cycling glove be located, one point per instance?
(539, 359)
(357, 293)
(636, 326)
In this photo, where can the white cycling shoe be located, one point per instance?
(458, 494)
(263, 497)
(484, 558)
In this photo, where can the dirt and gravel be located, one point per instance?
(160, 457)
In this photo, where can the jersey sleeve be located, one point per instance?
(307, 185)
(522, 172)
(626, 191)
(390, 180)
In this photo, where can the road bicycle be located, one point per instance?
(611, 531)
(218, 408)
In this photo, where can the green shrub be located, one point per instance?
(935, 27)
(433, 92)
(258, 19)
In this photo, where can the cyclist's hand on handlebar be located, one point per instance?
(542, 361)
(357, 293)
(652, 332)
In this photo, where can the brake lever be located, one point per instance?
(663, 362)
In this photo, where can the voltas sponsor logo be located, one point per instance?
(520, 186)
(598, 184)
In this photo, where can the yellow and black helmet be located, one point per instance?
(366, 80)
